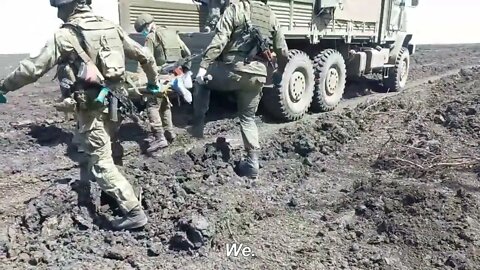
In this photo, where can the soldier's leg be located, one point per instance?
(201, 102)
(109, 178)
(166, 116)
(201, 95)
(248, 99)
(153, 112)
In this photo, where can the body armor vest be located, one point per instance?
(170, 45)
(258, 16)
(100, 40)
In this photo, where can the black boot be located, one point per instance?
(158, 143)
(134, 219)
(249, 167)
(170, 135)
(196, 131)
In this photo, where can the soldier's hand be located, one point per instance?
(200, 76)
(3, 98)
(154, 88)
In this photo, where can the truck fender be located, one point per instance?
(403, 40)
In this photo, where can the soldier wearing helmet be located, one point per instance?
(166, 47)
(100, 46)
(225, 61)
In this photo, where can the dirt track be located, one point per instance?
(388, 181)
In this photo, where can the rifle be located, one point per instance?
(180, 65)
(261, 47)
(116, 101)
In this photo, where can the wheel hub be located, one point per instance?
(331, 81)
(297, 86)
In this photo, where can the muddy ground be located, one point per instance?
(388, 181)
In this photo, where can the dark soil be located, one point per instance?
(390, 183)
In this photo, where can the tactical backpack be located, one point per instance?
(170, 45)
(99, 42)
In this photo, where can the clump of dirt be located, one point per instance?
(433, 228)
(425, 148)
(324, 136)
(385, 185)
(179, 194)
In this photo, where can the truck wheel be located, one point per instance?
(290, 100)
(330, 79)
(399, 73)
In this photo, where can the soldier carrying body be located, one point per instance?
(97, 47)
(167, 48)
(227, 59)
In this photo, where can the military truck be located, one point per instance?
(329, 41)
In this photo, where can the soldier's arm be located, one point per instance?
(135, 51)
(279, 44)
(33, 67)
(220, 40)
(150, 45)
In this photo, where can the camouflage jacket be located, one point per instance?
(60, 48)
(229, 34)
(155, 46)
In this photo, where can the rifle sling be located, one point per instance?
(81, 52)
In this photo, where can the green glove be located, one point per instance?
(154, 89)
(3, 98)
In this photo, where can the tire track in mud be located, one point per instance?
(267, 130)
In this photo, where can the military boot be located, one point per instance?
(134, 219)
(198, 125)
(170, 135)
(197, 131)
(158, 143)
(249, 167)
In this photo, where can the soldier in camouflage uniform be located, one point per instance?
(167, 47)
(224, 60)
(90, 40)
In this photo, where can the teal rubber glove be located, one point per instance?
(153, 88)
(102, 95)
(3, 98)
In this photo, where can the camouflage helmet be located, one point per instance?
(143, 20)
(58, 3)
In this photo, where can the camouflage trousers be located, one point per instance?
(247, 87)
(160, 115)
(96, 132)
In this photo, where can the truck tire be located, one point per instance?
(290, 100)
(330, 80)
(399, 73)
